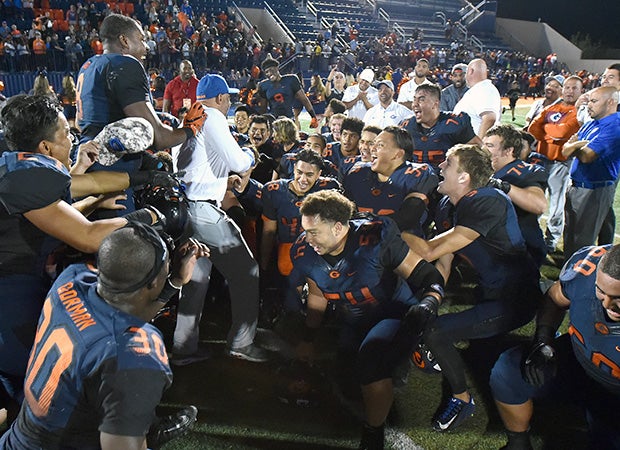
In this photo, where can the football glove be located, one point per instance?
(195, 118)
(539, 365)
(420, 315)
(314, 123)
(502, 185)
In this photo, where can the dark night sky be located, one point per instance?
(599, 18)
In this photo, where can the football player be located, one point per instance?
(524, 184)
(356, 264)
(434, 131)
(391, 185)
(582, 366)
(35, 214)
(479, 224)
(281, 217)
(98, 369)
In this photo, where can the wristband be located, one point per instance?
(545, 333)
(168, 291)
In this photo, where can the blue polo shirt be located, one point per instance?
(604, 139)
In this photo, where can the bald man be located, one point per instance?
(482, 101)
(593, 172)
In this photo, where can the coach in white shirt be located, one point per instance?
(387, 111)
(207, 161)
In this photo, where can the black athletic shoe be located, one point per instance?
(166, 428)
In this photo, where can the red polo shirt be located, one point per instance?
(177, 90)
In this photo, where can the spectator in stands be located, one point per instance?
(362, 96)
(339, 85)
(23, 54)
(387, 112)
(181, 90)
(452, 94)
(417, 78)
(67, 98)
(39, 50)
(482, 101)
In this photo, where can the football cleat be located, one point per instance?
(455, 413)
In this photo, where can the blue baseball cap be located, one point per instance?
(212, 85)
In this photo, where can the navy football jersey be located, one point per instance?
(281, 204)
(524, 175)
(538, 159)
(343, 163)
(28, 181)
(431, 144)
(280, 95)
(251, 198)
(595, 338)
(363, 277)
(93, 368)
(384, 198)
(499, 254)
(105, 85)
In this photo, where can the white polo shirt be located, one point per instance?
(382, 117)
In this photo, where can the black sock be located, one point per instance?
(518, 440)
(372, 437)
